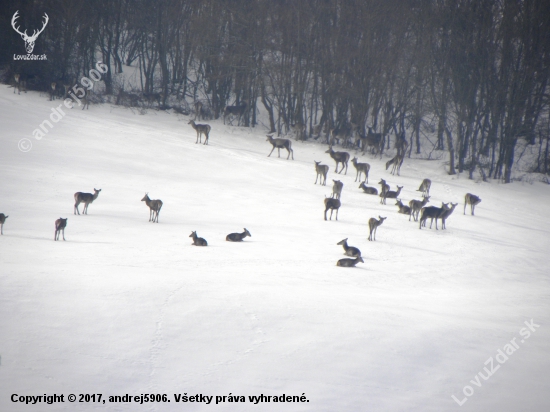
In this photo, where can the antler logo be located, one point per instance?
(29, 40)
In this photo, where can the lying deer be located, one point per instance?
(279, 144)
(368, 190)
(198, 241)
(349, 250)
(406, 210)
(471, 200)
(416, 206)
(349, 263)
(332, 204)
(390, 194)
(237, 237)
(373, 225)
(322, 171)
(60, 225)
(85, 198)
(154, 207)
(3, 218)
(337, 189)
(339, 157)
(361, 168)
(201, 129)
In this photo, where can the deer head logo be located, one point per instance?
(29, 40)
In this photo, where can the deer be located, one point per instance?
(416, 206)
(471, 200)
(299, 130)
(20, 83)
(29, 40)
(152, 97)
(279, 144)
(397, 161)
(390, 194)
(237, 237)
(3, 218)
(432, 212)
(52, 90)
(349, 263)
(86, 198)
(425, 187)
(349, 250)
(332, 204)
(337, 189)
(198, 241)
(154, 207)
(60, 225)
(339, 157)
(322, 171)
(201, 129)
(198, 110)
(86, 100)
(374, 141)
(384, 187)
(368, 190)
(445, 215)
(401, 144)
(361, 168)
(234, 111)
(403, 209)
(373, 225)
(339, 134)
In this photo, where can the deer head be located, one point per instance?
(29, 40)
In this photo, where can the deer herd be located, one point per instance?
(417, 210)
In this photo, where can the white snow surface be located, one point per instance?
(126, 306)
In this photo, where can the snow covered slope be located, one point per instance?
(125, 306)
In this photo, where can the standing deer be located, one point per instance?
(401, 144)
(85, 198)
(445, 215)
(200, 129)
(373, 224)
(52, 90)
(432, 212)
(332, 204)
(198, 110)
(234, 111)
(349, 250)
(390, 194)
(237, 237)
(361, 168)
(154, 207)
(406, 210)
(425, 187)
(384, 188)
(416, 206)
(86, 99)
(299, 130)
(349, 263)
(3, 218)
(368, 190)
(279, 144)
(339, 157)
(337, 189)
(322, 171)
(471, 200)
(373, 140)
(60, 225)
(20, 83)
(397, 161)
(198, 241)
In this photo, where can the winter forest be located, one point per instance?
(472, 74)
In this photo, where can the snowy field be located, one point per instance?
(125, 306)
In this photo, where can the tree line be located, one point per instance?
(471, 73)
